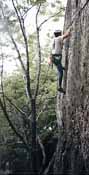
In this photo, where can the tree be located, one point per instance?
(73, 109)
(16, 17)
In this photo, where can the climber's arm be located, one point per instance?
(53, 45)
(66, 34)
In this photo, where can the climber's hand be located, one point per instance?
(70, 29)
(50, 60)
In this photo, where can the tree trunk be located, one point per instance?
(72, 155)
(34, 142)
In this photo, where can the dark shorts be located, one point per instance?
(56, 59)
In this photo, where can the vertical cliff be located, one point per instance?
(72, 155)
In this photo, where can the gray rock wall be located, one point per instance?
(73, 108)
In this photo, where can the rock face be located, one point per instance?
(72, 155)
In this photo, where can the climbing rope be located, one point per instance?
(77, 13)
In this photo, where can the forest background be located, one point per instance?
(28, 85)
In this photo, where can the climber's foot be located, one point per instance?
(61, 90)
(63, 68)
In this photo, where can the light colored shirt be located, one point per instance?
(57, 45)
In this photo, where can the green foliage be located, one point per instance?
(37, 1)
(14, 88)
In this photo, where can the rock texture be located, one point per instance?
(72, 155)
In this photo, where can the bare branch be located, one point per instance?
(15, 106)
(19, 19)
(46, 20)
(43, 153)
(26, 10)
(2, 72)
(14, 43)
(25, 14)
(49, 165)
(39, 54)
(19, 12)
(25, 117)
(45, 79)
(2, 87)
(22, 27)
(18, 52)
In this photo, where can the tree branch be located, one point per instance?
(18, 52)
(39, 54)
(44, 82)
(61, 9)
(2, 88)
(14, 43)
(22, 27)
(14, 105)
(24, 116)
(49, 165)
(24, 16)
(43, 153)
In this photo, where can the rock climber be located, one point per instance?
(56, 54)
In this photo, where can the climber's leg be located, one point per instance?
(60, 73)
(57, 62)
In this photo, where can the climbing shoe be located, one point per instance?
(61, 90)
(63, 68)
